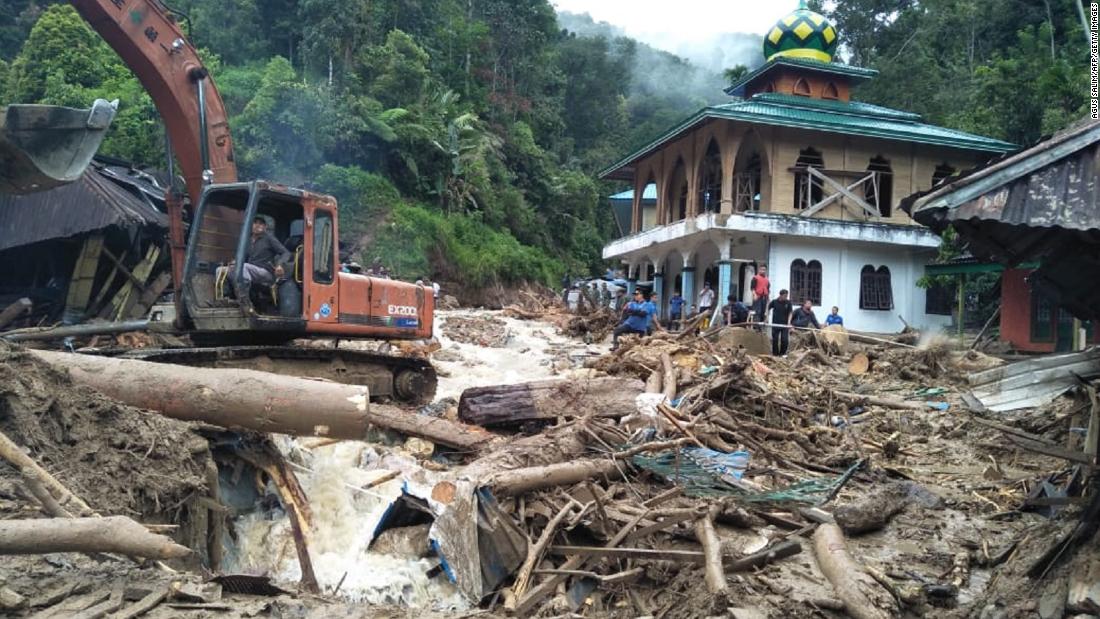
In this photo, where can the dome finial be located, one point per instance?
(802, 34)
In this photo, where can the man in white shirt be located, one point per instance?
(706, 300)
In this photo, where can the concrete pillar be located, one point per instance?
(659, 288)
(725, 280)
(631, 280)
(687, 284)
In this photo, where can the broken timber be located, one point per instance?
(255, 400)
(547, 400)
(15, 310)
(112, 534)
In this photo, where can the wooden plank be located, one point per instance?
(122, 269)
(642, 554)
(80, 285)
(1011, 430)
(151, 294)
(1047, 450)
(139, 608)
(116, 308)
(142, 272)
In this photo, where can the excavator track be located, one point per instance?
(407, 380)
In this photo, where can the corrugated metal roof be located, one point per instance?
(845, 117)
(737, 89)
(93, 202)
(1031, 383)
(1042, 204)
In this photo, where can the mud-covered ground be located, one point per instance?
(968, 481)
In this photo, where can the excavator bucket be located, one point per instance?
(44, 146)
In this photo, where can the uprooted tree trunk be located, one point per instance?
(548, 400)
(255, 400)
(15, 310)
(863, 598)
(116, 534)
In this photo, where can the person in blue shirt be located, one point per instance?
(636, 316)
(834, 318)
(675, 310)
(651, 308)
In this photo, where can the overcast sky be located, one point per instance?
(665, 24)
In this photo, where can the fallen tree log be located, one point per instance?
(547, 400)
(863, 597)
(522, 481)
(116, 534)
(714, 575)
(17, 457)
(254, 400)
(15, 310)
(857, 398)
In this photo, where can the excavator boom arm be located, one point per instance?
(147, 38)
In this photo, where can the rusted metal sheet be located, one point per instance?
(92, 202)
(1031, 383)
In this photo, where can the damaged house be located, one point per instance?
(88, 249)
(796, 175)
(1036, 216)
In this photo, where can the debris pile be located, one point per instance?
(485, 331)
(682, 475)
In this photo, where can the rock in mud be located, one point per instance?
(877, 509)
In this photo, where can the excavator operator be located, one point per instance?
(265, 263)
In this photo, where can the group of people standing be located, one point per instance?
(640, 315)
(784, 314)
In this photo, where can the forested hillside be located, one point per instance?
(460, 137)
(1010, 69)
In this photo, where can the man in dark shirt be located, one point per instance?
(781, 320)
(734, 312)
(804, 316)
(266, 262)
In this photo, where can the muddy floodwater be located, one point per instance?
(346, 514)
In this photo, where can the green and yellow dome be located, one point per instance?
(802, 34)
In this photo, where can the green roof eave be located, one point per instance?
(666, 136)
(733, 112)
(737, 89)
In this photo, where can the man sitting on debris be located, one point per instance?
(734, 312)
(636, 321)
(804, 316)
(834, 318)
(264, 264)
(781, 320)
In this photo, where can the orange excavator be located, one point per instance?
(315, 298)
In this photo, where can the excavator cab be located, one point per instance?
(305, 223)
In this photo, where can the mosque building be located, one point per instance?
(796, 175)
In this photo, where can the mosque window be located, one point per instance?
(880, 193)
(806, 281)
(807, 189)
(876, 291)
